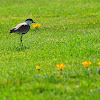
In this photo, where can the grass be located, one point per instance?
(69, 34)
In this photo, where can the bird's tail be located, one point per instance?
(11, 31)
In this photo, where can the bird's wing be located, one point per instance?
(19, 25)
(22, 28)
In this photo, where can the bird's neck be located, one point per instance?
(28, 22)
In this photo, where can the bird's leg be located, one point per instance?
(21, 40)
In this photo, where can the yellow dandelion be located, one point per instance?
(85, 63)
(99, 63)
(61, 66)
(36, 26)
(38, 67)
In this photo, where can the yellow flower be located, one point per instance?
(61, 66)
(38, 67)
(98, 63)
(36, 26)
(85, 63)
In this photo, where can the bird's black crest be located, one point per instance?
(29, 19)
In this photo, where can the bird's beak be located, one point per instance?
(33, 22)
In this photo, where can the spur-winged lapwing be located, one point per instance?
(22, 28)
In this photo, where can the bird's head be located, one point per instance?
(29, 21)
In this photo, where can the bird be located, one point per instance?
(22, 28)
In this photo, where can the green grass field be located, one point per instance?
(69, 34)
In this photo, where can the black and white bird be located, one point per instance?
(22, 28)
